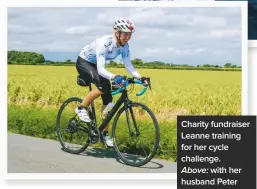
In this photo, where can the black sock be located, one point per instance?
(81, 107)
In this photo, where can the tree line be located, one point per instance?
(18, 57)
(32, 58)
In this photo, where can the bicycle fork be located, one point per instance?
(133, 119)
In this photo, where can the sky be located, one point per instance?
(178, 35)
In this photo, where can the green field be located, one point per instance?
(36, 92)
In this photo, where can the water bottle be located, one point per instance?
(107, 109)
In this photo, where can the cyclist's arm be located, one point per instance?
(128, 65)
(100, 59)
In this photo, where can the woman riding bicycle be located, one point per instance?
(91, 67)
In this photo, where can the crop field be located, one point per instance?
(35, 94)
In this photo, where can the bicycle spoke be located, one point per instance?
(143, 148)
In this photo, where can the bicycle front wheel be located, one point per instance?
(72, 133)
(136, 134)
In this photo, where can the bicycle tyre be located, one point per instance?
(65, 148)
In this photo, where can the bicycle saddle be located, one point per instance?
(82, 82)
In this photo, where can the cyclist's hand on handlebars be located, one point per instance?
(119, 79)
(145, 80)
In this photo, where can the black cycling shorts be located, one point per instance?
(88, 71)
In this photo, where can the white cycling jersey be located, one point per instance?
(103, 49)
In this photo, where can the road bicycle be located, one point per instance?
(135, 129)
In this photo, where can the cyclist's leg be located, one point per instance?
(106, 98)
(103, 88)
(102, 84)
(88, 72)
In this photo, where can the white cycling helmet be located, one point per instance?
(124, 25)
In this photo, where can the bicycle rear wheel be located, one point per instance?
(136, 144)
(72, 133)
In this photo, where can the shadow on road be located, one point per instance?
(110, 153)
(150, 165)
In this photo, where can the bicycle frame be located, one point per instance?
(123, 99)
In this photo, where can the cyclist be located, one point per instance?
(91, 66)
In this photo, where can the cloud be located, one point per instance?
(223, 33)
(174, 51)
(193, 35)
(19, 29)
(189, 51)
